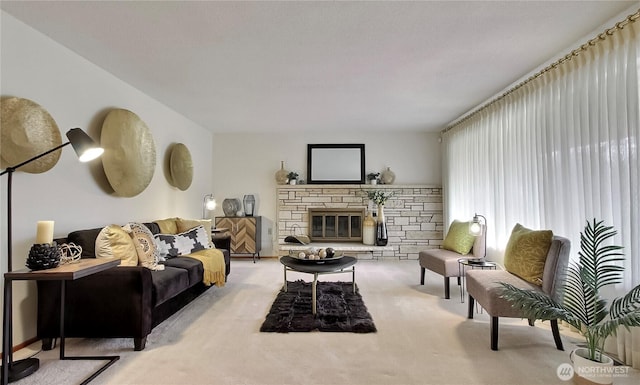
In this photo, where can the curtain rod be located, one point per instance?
(584, 47)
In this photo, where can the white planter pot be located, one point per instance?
(293, 181)
(588, 372)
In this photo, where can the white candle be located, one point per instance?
(45, 232)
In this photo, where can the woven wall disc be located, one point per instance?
(27, 130)
(181, 166)
(129, 158)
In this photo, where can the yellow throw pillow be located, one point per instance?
(526, 253)
(185, 225)
(168, 226)
(114, 242)
(458, 238)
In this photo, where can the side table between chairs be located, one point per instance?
(474, 263)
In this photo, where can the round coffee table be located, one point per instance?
(319, 267)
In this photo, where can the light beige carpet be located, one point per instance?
(421, 339)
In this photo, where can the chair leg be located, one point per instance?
(556, 334)
(459, 281)
(471, 304)
(532, 322)
(446, 288)
(494, 333)
(422, 275)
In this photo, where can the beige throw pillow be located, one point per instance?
(167, 226)
(114, 242)
(148, 255)
(185, 225)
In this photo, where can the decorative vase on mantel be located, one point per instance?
(369, 230)
(281, 175)
(387, 176)
(382, 238)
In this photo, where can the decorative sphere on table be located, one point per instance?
(43, 256)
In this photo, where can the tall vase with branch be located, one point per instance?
(380, 198)
(582, 305)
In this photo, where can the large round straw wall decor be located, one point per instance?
(27, 130)
(129, 158)
(181, 166)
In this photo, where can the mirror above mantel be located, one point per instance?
(335, 164)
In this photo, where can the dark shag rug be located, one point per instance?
(338, 310)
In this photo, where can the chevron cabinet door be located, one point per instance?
(245, 234)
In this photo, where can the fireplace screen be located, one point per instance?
(343, 225)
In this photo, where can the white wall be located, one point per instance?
(78, 93)
(247, 163)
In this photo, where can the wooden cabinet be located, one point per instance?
(245, 234)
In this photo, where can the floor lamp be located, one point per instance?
(87, 150)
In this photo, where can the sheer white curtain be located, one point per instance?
(558, 151)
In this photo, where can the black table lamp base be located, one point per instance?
(23, 368)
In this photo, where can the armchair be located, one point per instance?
(445, 261)
(484, 287)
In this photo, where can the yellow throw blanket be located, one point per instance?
(213, 263)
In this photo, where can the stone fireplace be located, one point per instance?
(413, 215)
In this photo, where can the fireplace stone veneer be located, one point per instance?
(413, 215)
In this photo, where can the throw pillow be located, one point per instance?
(526, 253)
(114, 242)
(167, 226)
(458, 238)
(173, 245)
(148, 255)
(188, 224)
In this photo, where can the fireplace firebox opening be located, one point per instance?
(336, 224)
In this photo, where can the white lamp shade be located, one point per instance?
(475, 228)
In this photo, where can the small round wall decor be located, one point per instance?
(181, 166)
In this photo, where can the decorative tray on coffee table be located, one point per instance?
(310, 257)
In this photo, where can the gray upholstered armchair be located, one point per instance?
(484, 288)
(445, 262)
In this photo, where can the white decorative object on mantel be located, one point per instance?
(388, 176)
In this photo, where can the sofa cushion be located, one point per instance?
(173, 245)
(153, 227)
(441, 261)
(193, 267)
(458, 238)
(85, 239)
(114, 242)
(484, 286)
(168, 283)
(526, 253)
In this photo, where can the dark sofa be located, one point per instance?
(126, 301)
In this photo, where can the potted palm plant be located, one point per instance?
(582, 306)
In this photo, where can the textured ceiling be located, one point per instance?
(318, 66)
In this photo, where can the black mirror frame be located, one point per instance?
(310, 165)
